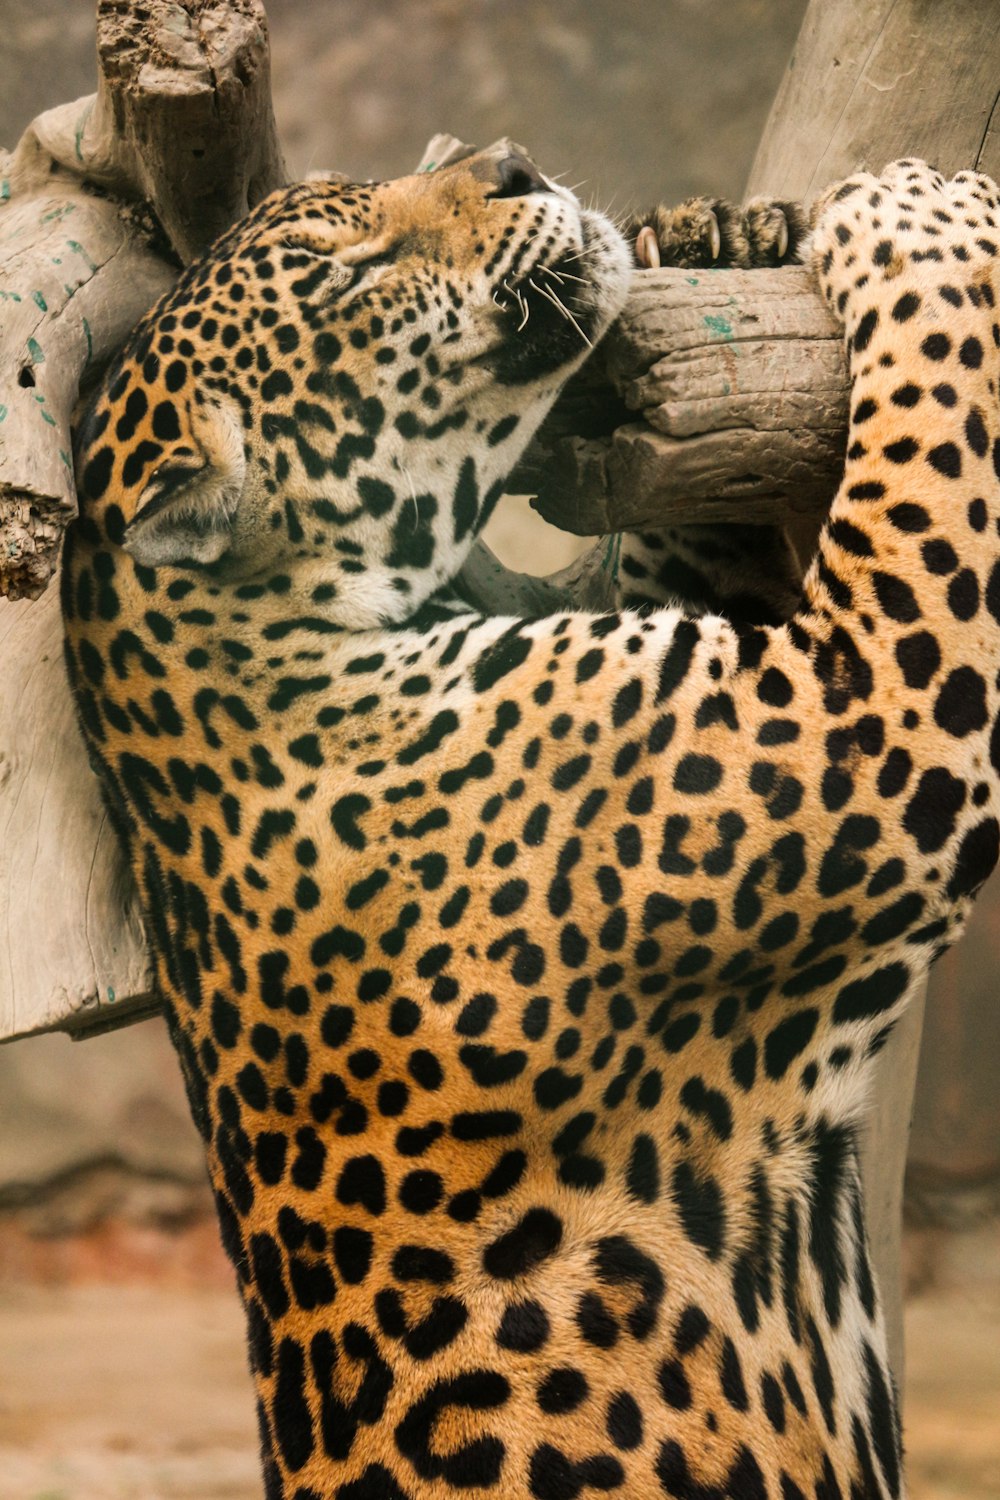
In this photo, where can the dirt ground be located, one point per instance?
(122, 1371)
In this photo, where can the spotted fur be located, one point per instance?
(526, 975)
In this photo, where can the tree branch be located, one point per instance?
(733, 390)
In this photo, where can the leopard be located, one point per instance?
(527, 975)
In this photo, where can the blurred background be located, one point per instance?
(122, 1372)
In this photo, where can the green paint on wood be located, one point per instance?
(62, 212)
(4, 189)
(719, 325)
(90, 341)
(81, 126)
(3, 412)
(78, 249)
(691, 280)
(43, 413)
(40, 300)
(66, 459)
(35, 350)
(10, 296)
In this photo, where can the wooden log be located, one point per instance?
(736, 386)
(76, 271)
(70, 930)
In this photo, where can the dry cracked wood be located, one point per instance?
(77, 271)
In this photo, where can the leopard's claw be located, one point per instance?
(774, 231)
(647, 249)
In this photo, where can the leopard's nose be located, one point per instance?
(515, 177)
(504, 170)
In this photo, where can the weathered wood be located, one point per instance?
(183, 112)
(871, 80)
(76, 271)
(181, 121)
(737, 388)
(70, 932)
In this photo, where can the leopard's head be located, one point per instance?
(341, 386)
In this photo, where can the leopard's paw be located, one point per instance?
(710, 232)
(775, 231)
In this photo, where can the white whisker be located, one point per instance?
(564, 275)
(522, 304)
(561, 307)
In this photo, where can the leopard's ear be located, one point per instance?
(185, 510)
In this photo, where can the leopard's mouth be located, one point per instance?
(553, 313)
